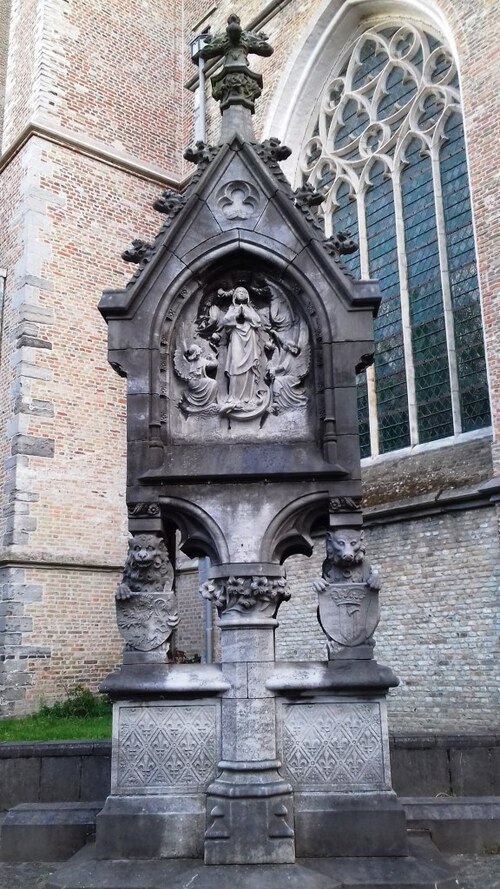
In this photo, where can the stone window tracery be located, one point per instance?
(387, 151)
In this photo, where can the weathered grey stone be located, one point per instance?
(248, 729)
(153, 826)
(349, 824)
(84, 871)
(45, 832)
(248, 644)
(33, 445)
(471, 824)
(423, 869)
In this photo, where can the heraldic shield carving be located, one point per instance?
(348, 613)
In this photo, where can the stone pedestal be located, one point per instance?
(334, 744)
(249, 806)
(166, 747)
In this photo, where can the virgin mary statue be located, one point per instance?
(244, 354)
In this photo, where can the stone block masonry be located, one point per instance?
(439, 622)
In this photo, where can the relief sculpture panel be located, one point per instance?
(333, 745)
(241, 360)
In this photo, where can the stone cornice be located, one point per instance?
(24, 558)
(91, 149)
(435, 503)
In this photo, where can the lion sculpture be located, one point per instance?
(147, 567)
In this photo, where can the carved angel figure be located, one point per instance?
(291, 358)
(191, 365)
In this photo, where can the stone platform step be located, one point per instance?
(423, 869)
(47, 831)
(55, 831)
(456, 824)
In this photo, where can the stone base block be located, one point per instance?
(422, 869)
(249, 830)
(47, 831)
(337, 824)
(151, 827)
(467, 824)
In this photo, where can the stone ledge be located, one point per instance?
(49, 831)
(455, 824)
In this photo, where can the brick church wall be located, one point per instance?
(438, 628)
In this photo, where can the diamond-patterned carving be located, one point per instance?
(166, 747)
(334, 744)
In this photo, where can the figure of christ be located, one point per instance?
(244, 354)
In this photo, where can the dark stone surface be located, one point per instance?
(426, 769)
(457, 825)
(474, 771)
(356, 824)
(54, 771)
(19, 783)
(423, 869)
(59, 779)
(47, 832)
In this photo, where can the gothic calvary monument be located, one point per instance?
(240, 336)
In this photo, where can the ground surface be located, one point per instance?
(477, 872)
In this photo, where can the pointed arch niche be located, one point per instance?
(385, 146)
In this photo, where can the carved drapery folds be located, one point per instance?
(247, 595)
(348, 606)
(146, 608)
(245, 355)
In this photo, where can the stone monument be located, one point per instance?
(240, 335)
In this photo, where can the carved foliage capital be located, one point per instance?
(245, 594)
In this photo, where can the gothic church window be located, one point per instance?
(387, 151)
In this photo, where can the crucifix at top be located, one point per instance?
(236, 87)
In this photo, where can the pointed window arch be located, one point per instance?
(387, 150)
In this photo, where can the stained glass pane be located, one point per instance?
(345, 218)
(390, 374)
(354, 120)
(399, 90)
(400, 79)
(430, 356)
(364, 422)
(471, 365)
(371, 60)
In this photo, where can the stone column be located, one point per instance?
(249, 805)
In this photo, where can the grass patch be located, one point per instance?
(81, 716)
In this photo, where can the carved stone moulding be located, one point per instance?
(253, 595)
(345, 511)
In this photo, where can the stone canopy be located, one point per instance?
(274, 405)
